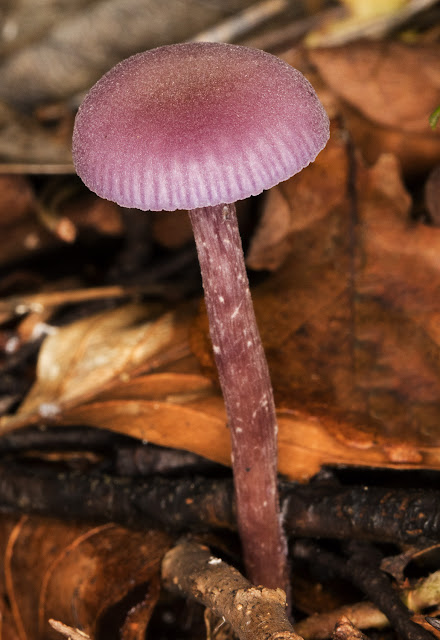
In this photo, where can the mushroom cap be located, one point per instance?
(199, 124)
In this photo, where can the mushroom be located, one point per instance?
(198, 126)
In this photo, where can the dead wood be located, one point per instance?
(254, 613)
(346, 630)
(363, 513)
(196, 503)
(362, 568)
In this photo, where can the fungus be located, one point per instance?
(198, 126)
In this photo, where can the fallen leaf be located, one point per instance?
(357, 327)
(392, 83)
(76, 574)
(85, 357)
(387, 91)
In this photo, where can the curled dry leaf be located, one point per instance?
(75, 573)
(99, 351)
(184, 409)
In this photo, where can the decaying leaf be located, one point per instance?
(92, 354)
(394, 84)
(387, 91)
(75, 574)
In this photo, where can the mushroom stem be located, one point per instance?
(247, 391)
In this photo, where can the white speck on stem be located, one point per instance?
(12, 344)
(216, 348)
(221, 299)
(235, 312)
(249, 343)
(48, 409)
(213, 560)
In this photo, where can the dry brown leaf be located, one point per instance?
(82, 359)
(388, 90)
(356, 328)
(75, 573)
(394, 84)
(185, 410)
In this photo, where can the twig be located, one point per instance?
(177, 504)
(254, 613)
(242, 22)
(320, 626)
(346, 630)
(365, 615)
(280, 38)
(363, 513)
(374, 28)
(68, 632)
(33, 168)
(40, 301)
(362, 569)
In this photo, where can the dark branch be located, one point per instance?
(185, 504)
(362, 568)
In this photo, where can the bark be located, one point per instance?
(364, 513)
(196, 503)
(254, 613)
(345, 630)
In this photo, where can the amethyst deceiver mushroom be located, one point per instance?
(198, 126)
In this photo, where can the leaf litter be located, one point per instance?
(349, 318)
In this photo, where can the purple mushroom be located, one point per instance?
(198, 126)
